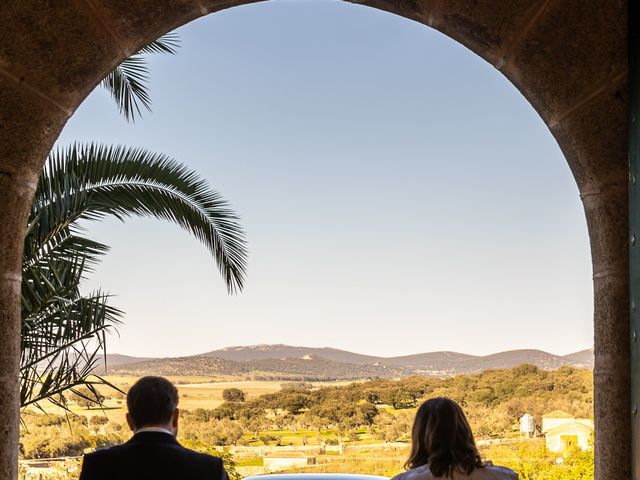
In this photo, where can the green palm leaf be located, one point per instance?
(95, 181)
(128, 83)
(167, 43)
(63, 331)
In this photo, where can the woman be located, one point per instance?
(442, 446)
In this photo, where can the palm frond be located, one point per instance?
(123, 181)
(61, 346)
(61, 245)
(128, 83)
(167, 43)
(63, 332)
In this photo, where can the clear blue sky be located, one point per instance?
(398, 193)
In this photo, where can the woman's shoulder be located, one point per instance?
(488, 472)
(418, 473)
(499, 473)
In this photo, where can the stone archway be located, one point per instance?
(568, 58)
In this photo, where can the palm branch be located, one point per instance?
(100, 181)
(128, 83)
(63, 331)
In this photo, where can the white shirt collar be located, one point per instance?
(153, 429)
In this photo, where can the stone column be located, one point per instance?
(15, 197)
(29, 124)
(607, 217)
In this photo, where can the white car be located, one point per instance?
(315, 476)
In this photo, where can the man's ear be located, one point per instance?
(132, 425)
(175, 418)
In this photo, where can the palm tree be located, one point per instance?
(63, 329)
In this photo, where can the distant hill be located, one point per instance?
(285, 362)
(197, 365)
(583, 358)
(261, 352)
(436, 361)
(114, 359)
(511, 358)
(305, 369)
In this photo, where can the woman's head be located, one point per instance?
(441, 438)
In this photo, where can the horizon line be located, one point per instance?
(349, 351)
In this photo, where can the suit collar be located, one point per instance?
(153, 437)
(153, 429)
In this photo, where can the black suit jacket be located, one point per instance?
(151, 456)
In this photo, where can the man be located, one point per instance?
(153, 452)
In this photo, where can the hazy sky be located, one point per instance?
(398, 193)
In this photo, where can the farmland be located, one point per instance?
(357, 427)
(195, 392)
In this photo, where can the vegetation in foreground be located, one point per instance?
(369, 420)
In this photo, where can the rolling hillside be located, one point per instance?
(304, 369)
(511, 358)
(284, 362)
(582, 358)
(260, 352)
(432, 360)
(115, 359)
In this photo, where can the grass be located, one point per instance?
(209, 395)
(249, 462)
(195, 392)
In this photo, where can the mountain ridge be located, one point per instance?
(262, 351)
(287, 362)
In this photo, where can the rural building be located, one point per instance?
(555, 418)
(563, 431)
(50, 467)
(275, 462)
(527, 425)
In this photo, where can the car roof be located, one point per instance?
(315, 476)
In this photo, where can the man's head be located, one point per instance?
(153, 402)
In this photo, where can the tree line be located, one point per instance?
(494, 401)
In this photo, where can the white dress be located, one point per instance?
(489, 472)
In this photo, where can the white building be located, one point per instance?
(284, 460)
(563, 431)
(527, 425)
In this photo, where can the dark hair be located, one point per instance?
(441, 438)
(152, 401)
